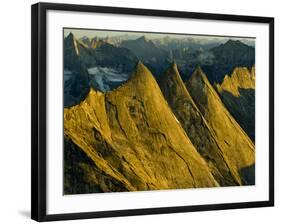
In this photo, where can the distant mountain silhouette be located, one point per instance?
(145, 49)
(80, 59)
(155, 58)
(232, 54)
(107, 57)
(99, 53)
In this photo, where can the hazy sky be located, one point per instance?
(78, 33)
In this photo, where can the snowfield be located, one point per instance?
(106, 78)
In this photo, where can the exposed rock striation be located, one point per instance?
(236, 145)
(237, 92)
(196, 127)
(128, 139)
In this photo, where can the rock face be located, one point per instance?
(128, 139)
(234, 143)
(238, 95)
(196, 127)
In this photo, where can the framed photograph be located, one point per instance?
(140, 111)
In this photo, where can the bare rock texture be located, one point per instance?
(237, 92)
(196, 127)
(236, 145)
(131, 141)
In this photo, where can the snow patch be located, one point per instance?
(106, 77)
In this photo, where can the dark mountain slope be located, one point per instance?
(234, 142)
(237, 92)
(145, 49)
(196, 127)
(102, 66)
(227, 56)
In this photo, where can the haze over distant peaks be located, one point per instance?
(135, 121)
(142, 38)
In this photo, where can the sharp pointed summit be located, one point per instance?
(234, 43)
(172, 85)
(173, 69)
(145, 49)
(72, 44)
(239, 149)
(141, 68)
(198, 74)
(142, 38)
(132, 136)
(198, 84)
(196, 127)
(141, 78)
(69, 39)
(70, 36)
(140, 113)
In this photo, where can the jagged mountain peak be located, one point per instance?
(70, 35)
(198, 76)
(71, 42)
(194, 124)
(141, 82)
(241, 77)
(172, 70)
(70, 38)
(143, 38)
(232, 42)
(198, 85)
(142, 73)
(171, 79)
(96, 43)
(174, 67)
(141, 67)
(134, 139)
(233, 46)
(237, 92)
(198, 71)
(239, 149)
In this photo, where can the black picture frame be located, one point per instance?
(39, 122)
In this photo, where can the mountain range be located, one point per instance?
(120, 54)
(204, 117)
(151, 134)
